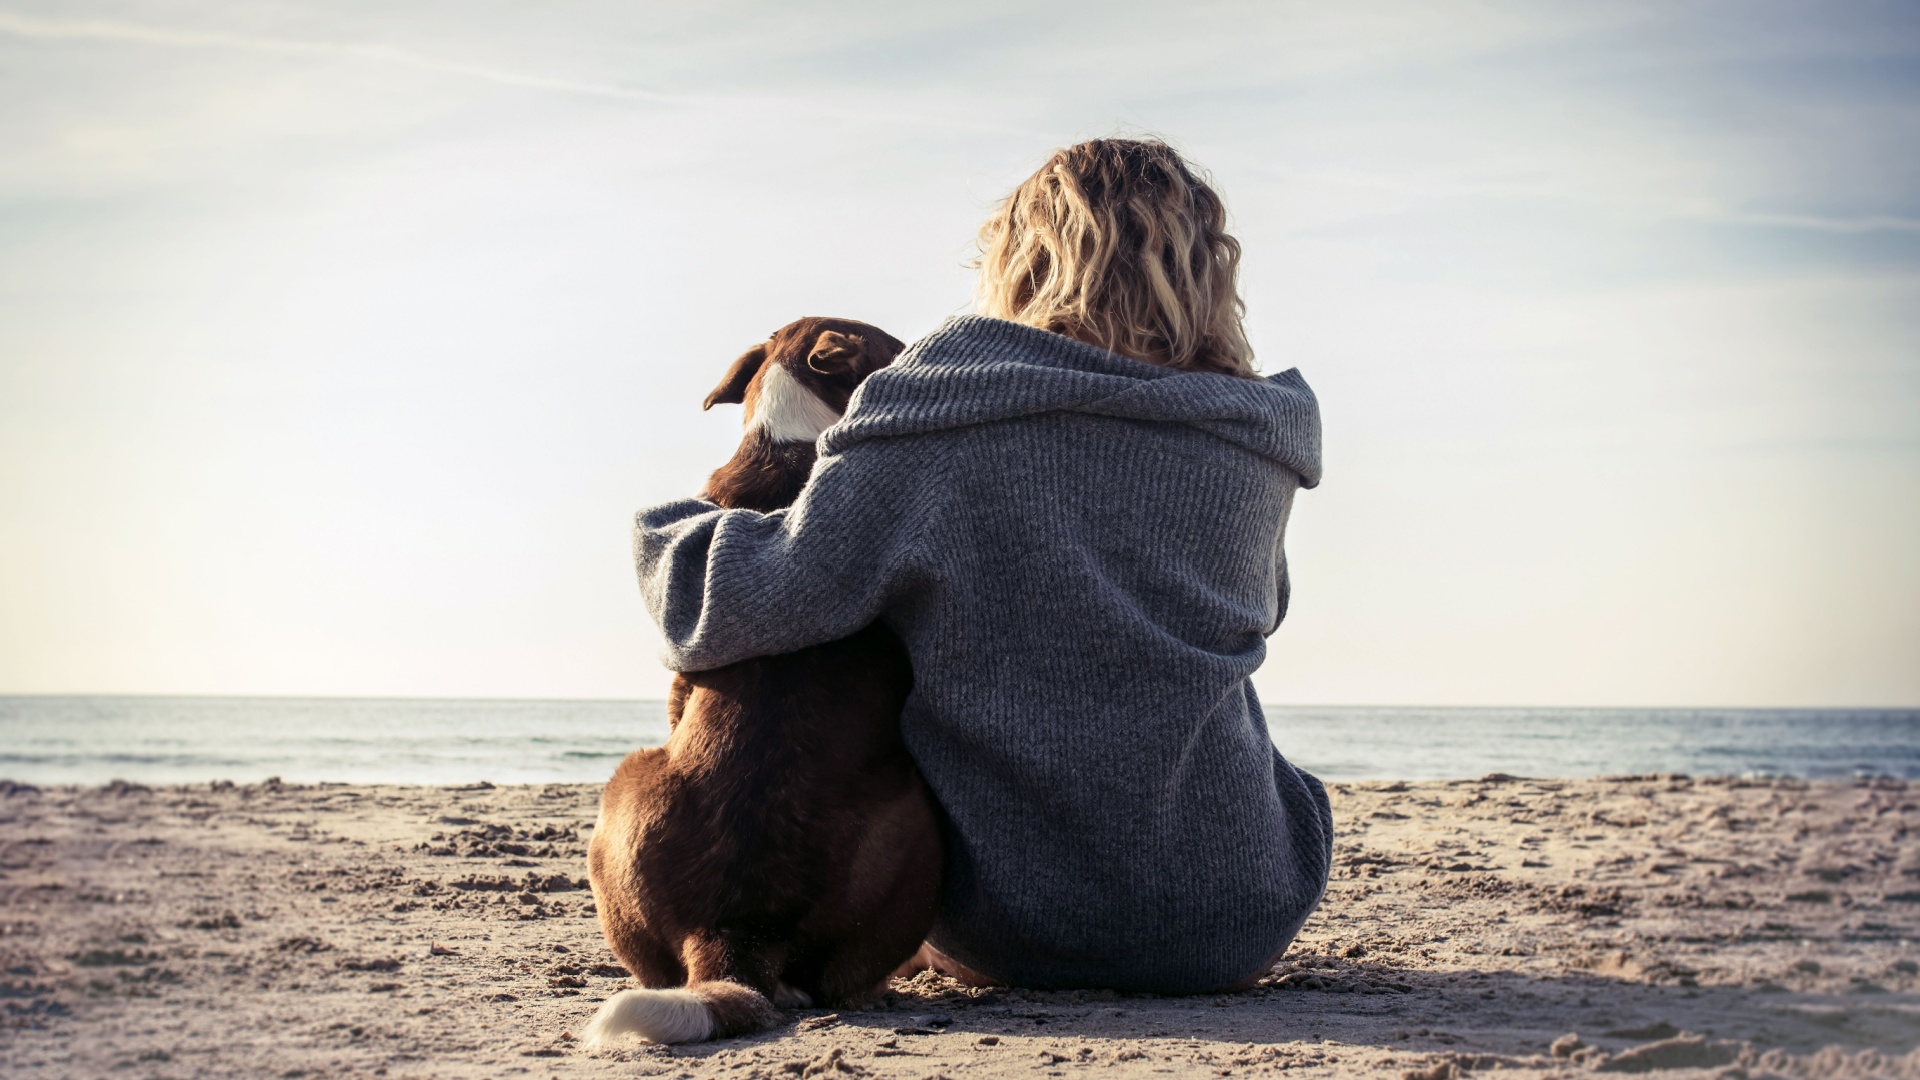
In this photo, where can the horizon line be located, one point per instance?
(9, 695)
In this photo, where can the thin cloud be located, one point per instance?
(101, 30)
(1424, 187)
(106, 30)
(1877, 223)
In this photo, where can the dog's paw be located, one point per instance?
(788, 998)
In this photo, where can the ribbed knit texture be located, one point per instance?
(1083, 555)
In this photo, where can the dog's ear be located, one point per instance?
(835, 353)
(733, 389)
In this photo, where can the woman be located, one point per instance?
(1070, 507)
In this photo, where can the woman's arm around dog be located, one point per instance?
(726, 585)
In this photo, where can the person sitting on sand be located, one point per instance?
(1070, 507)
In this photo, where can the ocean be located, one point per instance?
(164, 740)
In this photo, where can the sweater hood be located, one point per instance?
(975, 370)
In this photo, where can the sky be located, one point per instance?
(339, 341)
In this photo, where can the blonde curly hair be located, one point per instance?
(1120, 243)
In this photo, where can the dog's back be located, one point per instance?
(781, 845)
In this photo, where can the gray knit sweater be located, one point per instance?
(1083, 555)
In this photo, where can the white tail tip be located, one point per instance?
(665, 1016)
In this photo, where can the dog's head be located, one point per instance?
(797, 383)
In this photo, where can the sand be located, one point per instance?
(1534, 928)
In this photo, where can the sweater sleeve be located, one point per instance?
(726, 585)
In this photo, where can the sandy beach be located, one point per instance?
(1535, 928)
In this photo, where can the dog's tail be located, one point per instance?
(693, 1013)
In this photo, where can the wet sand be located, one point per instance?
(1537, 928)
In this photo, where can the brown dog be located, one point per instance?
(781, 848)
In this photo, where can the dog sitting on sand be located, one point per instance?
(781, 849)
